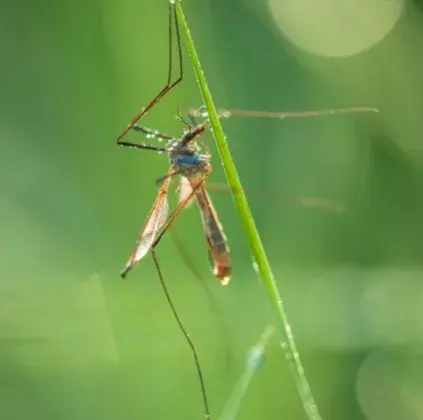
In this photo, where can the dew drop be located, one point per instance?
(256, 358)
(256, 266)
(202, 111)
(256, 269)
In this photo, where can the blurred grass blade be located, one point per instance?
(288, 344)
(254, 361)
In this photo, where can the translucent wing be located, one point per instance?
(155, 220)
(185, 190)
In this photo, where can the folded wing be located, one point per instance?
(155, 221)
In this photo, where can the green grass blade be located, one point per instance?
(253, 363)
(288, 344)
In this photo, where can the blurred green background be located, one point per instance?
(77, 342)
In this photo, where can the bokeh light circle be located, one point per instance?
(335, 28)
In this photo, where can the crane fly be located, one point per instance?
(194, 168)
(184, 160)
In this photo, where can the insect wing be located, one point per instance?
(153, 225)
(156, 219)
(185, 190)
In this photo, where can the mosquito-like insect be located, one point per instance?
(195, 169)
(188, 160)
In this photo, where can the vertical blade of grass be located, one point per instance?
(288, 344)
(255, 360)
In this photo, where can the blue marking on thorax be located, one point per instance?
(186, 161)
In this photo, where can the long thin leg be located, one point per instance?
(187, 338)
(142, 146)
(152, 133)
(186, 257)
(169, 85)
(227, 113)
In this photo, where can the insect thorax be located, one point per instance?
(187, 161)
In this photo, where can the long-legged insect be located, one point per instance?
(185, 160)
(196, 168)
